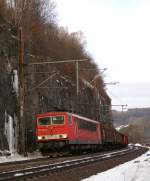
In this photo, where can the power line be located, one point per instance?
(54, 62)
(111, 83)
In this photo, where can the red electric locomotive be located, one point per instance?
(63, 130)
(57, 130)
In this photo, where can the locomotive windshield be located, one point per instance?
(51, 120)
(44, 121)
(58, 120)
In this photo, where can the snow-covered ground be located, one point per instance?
(17, 157)
(135, 170)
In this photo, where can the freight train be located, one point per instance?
(57, 131)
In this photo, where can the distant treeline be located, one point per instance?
(138, 121)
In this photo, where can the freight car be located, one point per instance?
(111, 137)
(66, 131)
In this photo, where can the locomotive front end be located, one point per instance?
(52, 131)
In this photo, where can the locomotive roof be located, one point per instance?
(85, 118)
(75, 115)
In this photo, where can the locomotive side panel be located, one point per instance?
(84, 131)
(88, 132)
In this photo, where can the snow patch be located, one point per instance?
(18, 174)
(15, 81)
(16, 157)
(122, 126)
(138, 144)
(137, 169)
(9, 131)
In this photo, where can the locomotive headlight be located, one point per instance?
(63, 135)
(39, 137)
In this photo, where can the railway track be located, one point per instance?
(6, 166)
(42, 170)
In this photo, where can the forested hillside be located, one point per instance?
(136, 124)
(47, 87)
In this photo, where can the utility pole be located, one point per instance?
(21, 125)
(77, 77)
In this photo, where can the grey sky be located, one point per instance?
(118, 37)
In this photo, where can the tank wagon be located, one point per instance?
(57, 131)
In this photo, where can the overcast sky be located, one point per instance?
(117, 33)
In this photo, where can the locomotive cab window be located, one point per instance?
(58, 120)
(44, 121)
